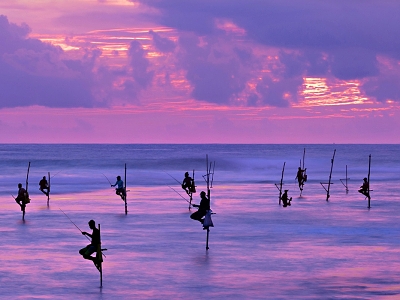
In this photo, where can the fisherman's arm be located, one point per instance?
(88, 234)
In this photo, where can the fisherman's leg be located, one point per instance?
(83, 250)
(90, 249)
(197, 216)
(18, 200)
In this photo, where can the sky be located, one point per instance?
(199, 71)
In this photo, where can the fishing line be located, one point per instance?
(79, 229)
(178, 194)
(74, 223)
(173, 178)
(107, 179)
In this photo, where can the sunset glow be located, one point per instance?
(119, 55)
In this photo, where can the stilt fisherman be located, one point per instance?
(22, 198)
(44, 186)
(364, 189)
(87, 251)
(286, 200)
(120, 190)
(202, 211)
(188, 184)
(301, 177)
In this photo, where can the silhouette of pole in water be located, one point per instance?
(99, 258)
(48, 190)
(191, 191)
(126, 192)
(330, 178)
(304, 174)
(369, 173)
(281, 184)
(345, 184)
(27, 200)
(209, 180)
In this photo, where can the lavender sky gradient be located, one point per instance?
(199, 71)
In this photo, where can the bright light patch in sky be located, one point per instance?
(249, 68)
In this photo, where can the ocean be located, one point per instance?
(258, 249)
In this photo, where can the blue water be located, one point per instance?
(87, 167)
(258, 250)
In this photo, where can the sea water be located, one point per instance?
(314, 249)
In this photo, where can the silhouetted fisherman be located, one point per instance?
(44, 186)
(285, 199)
(364, 189)
(120, 190)
(22, 197)
(301, 178)
(188, 184)
(202, 208)
(92, 247)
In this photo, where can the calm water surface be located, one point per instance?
(258, 250)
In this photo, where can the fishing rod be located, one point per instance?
(173, 178)
(27, 177)
(79, 229)
(107, 179)
(55, 174)
(74, 224)
(212, 177)
(178, 193)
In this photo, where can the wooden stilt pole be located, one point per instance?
(209, 186)
(99, 258)
(304, 171)
(125, 196)
(208, 234)
(48, 191)
(281, 184)
(26, 189)
(330, 178)
(191, 192)
(369, 173)
(345, 184)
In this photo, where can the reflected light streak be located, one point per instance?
(108, 40)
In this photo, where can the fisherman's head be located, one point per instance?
(186, 174)
(44, 177)
(365, 179)
(202, 194)
(299, 168)
(92, 224)
(19, 185)
(286, 191)
(118, 177)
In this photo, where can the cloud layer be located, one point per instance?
(339, 39)
(236, 53)
(34, 73)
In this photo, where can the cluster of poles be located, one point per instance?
(327, 185)
(208, 177)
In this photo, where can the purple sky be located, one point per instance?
(199, 71)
